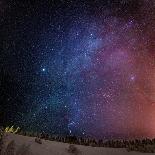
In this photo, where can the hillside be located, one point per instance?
(23, 144)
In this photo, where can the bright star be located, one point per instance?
(132, 78)
(43, 69)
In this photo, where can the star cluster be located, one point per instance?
(83, 68)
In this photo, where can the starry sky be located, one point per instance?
(78, 67)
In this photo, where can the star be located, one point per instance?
(43, 69)
(132, 78)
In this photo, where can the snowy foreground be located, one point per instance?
(57, 148)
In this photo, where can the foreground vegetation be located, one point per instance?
(144, 145)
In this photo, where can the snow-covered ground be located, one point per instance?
(57, 148)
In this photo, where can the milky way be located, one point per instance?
(88, 70)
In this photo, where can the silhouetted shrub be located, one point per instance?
(140, 147)
(38, 140)
(1, 140)
(72, 149)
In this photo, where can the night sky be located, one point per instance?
(78, 67)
